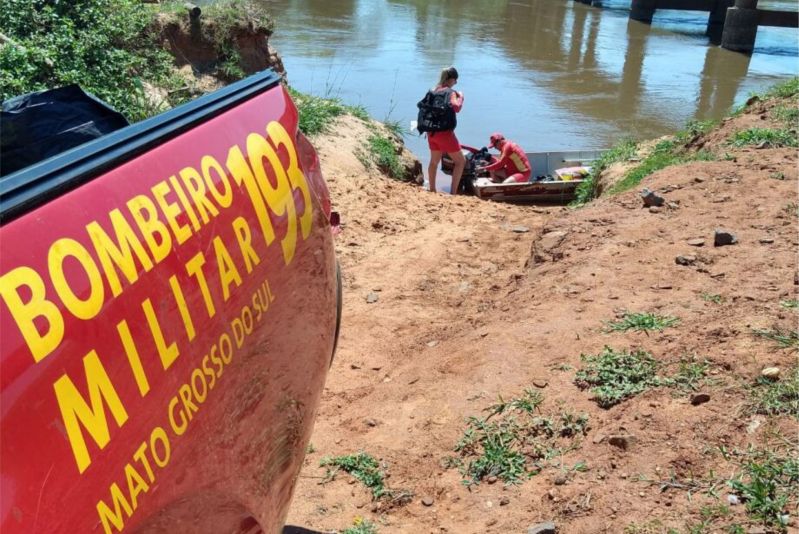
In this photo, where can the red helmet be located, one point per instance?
(495, 138)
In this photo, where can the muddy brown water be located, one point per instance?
(550, 74)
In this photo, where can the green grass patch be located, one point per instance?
(316, 113)
(614, 376)
(786, 89)
(785, 339)
(383, 153)
(516, 441)
(395, 127)
(787, 114)
(361, 526)
(791, 304)
(768, 137)
(767, 485)
(776, 397)
(641, 322)
(712, 297)
(363, 466)
(588, 190)
(664, 155)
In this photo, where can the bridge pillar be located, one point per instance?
(715, 22)
(643, 10)
(740, 27)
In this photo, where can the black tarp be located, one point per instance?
(36, 126)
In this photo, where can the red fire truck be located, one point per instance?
(169, 308)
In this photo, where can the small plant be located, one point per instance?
(496, 446)
(767, 485)
(694, 129)
(776, 397)
(777, 176)
(361, 526)
(690, 374)
(573, 424)
(513, 442)
(617, 375)
(359, 112)
(528, 403)
(790, 303)
(786, 339)
(641, 322)
(362, 466)
(791, 209)
(714, 298)
(766, 137)
(310, 449)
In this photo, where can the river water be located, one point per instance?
(549, 74)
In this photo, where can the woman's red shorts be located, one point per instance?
(443, 141)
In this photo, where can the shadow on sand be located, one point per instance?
(291, 529)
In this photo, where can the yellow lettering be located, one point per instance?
(184, 200)
(227, 270)
(136, 485)
(25, 313)
(196, 187)
(82, 309)
(225, 198)
(133, 357)
(279, 198)
(195, 268)
(76, 412)
(159, 435)
(244, 238)
(182, 308)
(167, 353)
(242, 173)
(154, 231)
(178, 429)
(118, 253)
(280, 137)
(141, 457)
(114, 518)
(171, 211)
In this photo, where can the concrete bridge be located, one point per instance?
(732, 23)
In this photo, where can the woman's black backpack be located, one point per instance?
(435, 112)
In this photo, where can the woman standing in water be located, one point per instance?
(445, 141)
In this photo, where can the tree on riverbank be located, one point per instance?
(123, 51)
(103, 45)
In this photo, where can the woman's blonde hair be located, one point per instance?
(447, 74)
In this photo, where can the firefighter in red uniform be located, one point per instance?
(512, 165)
